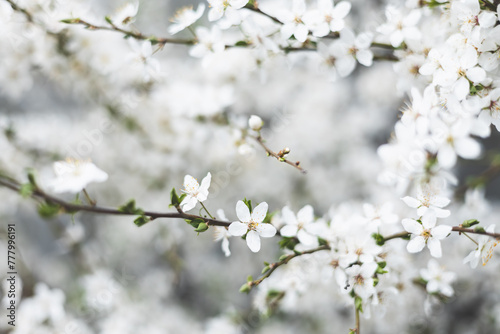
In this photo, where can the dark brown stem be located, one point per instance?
(72, 207)
(276, 265)
(136, 35)
(279, 157)
(454, 229)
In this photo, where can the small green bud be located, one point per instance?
(379, 239)
(245, 288)
(479, 229)
(141, 220)
(70, 21)
(48, 209)
(470, 222)
(265, 270)
(108, 19)
(283, 257)
(202, 227)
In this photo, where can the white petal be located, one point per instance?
(205, 183)
(476, 74)
(429, 219)
(441, 231)
(434, 247)
(411, 202)
(188, 203)
(259, 212)
(214, 14)
(306, 214)
(342, 9)
(301, 33)
(467, 148)
(365, 57)
(487, 19)
(266, 230)
(237, 229)
(253, 241)
(412, 226)
(289, 231)
(307, 239)
(242, 212)
(190, 184)
(415, 245)
(225, 247)
(288, 216)
(461, 88)
(237, 4)
(440, 201)
(447, 156)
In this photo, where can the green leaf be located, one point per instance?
(196, 222)
(322, 242)
(70, 21)
(470, 222)
(265, 270)
(174, 199)
(241, 43)
(382, 264)
(202, 227)
(141, 220)
(108, 19)
(130, 208)
(288, 243)
(26, 190)
(249, 278)
(48, 209)
(248, 203)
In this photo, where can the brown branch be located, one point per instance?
(72, 207)
(458, 229)
(280, 156)
(15, 7)
(136, 35)
(255, 7)
(273, 266)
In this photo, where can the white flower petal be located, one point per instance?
(434, 247)
(416, 244)
(242, 212)
(411, 202)
(307, 239)
(467, 148)
(253, 241)
(259, 212)
(306, 214)
(188, 203)
(289, 231)
(237, 229)
(441, 231)
(266, 230)
(412, 226)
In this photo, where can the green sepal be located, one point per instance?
(322, 242)
(195, 222)
(358, 302)
(288, 243)
(202, 227)
(130, 208)
(48, 209)
(241, 43)
(174, 199)
(379, 239)
(470, 222)
(142, 220)
(248, 203)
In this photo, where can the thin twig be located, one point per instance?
(278, 156)
(276, 265)
(72, 207)
(454, 229)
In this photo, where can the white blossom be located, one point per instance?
(425, 232)
(194, 191)
(74, 175)
(253, 223)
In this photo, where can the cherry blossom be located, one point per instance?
(253, 223)
(438, 280)
(425, 232)
(74, 175)
(194, 191)
(185, 17)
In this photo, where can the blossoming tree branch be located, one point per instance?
(446, 57)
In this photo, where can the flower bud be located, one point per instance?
(255, 123)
